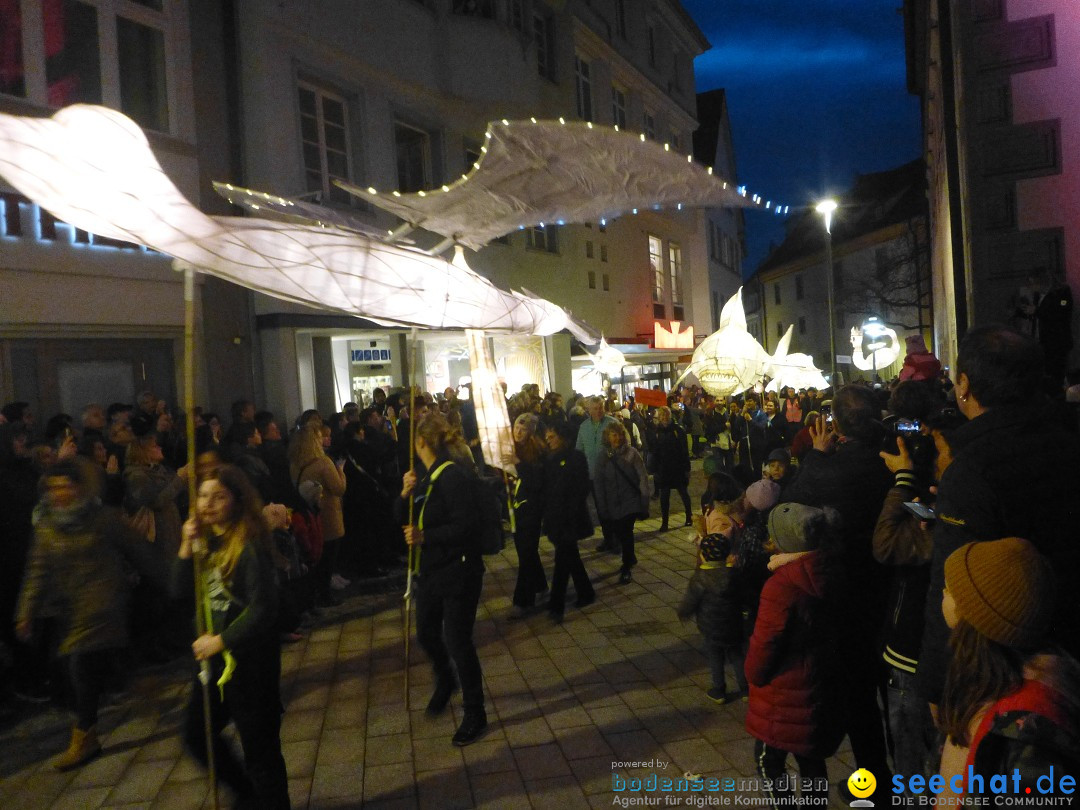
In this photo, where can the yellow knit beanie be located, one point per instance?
(1004, 589)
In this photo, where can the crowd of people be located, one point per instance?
(893, 563)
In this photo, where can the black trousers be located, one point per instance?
(567, 564)
(813, 775)
(531, 578)
(326, 567)
(253, 703)
(665, 501)
(90, 673)
(622, 533)
(444, 629)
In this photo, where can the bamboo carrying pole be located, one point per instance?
(414, 552)
(200, 584)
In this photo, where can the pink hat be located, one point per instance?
(763, 494)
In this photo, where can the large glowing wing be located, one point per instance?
(554, 172)
(797, 370)
(93, 168)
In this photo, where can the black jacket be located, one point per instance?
(566, 517)
(1013, 474)
(670, 457)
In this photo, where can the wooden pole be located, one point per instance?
(413, 551)
(197, 558)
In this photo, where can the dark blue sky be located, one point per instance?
(817, 93)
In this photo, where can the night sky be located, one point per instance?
(816, 92)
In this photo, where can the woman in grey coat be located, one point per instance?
(622, 492)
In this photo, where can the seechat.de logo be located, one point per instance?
(862, 785)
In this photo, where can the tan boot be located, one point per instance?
(84, 746)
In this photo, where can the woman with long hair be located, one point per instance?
(528, 496)
(451, 569)
(1011, 699)
(308, 461)
(241, 640)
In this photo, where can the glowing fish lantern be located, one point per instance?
(607, 360)
(797, 370)
(729, 360)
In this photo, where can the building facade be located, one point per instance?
(881, 269)
(1000, 86)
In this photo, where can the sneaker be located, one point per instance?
(338, 582)
(440, 697)
(625, 577)
(472, 728)
(718, 696)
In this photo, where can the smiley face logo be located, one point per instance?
(862, 783)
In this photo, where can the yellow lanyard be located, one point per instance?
(427, 495)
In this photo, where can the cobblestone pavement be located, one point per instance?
(621, 681)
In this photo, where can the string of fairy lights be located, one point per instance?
(755, 199)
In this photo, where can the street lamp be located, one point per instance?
(826, 209)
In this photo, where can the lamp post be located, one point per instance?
(826, 209)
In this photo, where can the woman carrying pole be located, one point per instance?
(241, 638)
(451, 569)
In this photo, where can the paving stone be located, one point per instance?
(444, 789)
(499, 791)
(341, 780)
(141, 782)
(489, 756)
(383, 782)
(582, 742)
(540, 761)
(387, 750)
(300, 757)
(302, 725)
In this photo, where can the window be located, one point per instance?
(798, 288)
(413, 149)
(620, 18)
(141, 53)
(802, 325)
(584, 89)
(715, 310)
(675, 268)
(776, 293)
(603, 253)
(676, 140)
(656, 262)
(544, 36)
(592, 280)
(652, 46)
(324, 134)
(779, 329)
(618, 107)
(588, 250)
(676, 70)
(475, 8)
(544, 238)
(606, 280)
(650, 126)
(110, 53)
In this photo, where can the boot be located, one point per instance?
(84, 746)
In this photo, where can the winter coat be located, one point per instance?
(566, 517)
(451, 548)
(791, 661)
(621, 484)
(323, 471)
(156, 487)
(712, 597)
(1013, 475)
(529, 496)
(244, 612)
(902, 545)
(590, 440)
(671, 457)
(80, 573)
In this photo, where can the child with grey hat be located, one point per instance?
(793, 652)
(712, 598)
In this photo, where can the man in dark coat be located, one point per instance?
(1012, 475)
(844, 471)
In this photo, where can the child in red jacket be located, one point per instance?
(792, 652)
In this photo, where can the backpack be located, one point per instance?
(489, 499)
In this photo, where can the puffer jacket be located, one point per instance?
(80, 572)
(671, 457)
(712, 597)
(791, 662)
(620, 483)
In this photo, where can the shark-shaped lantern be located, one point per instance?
(796, 370)
(729, 360)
